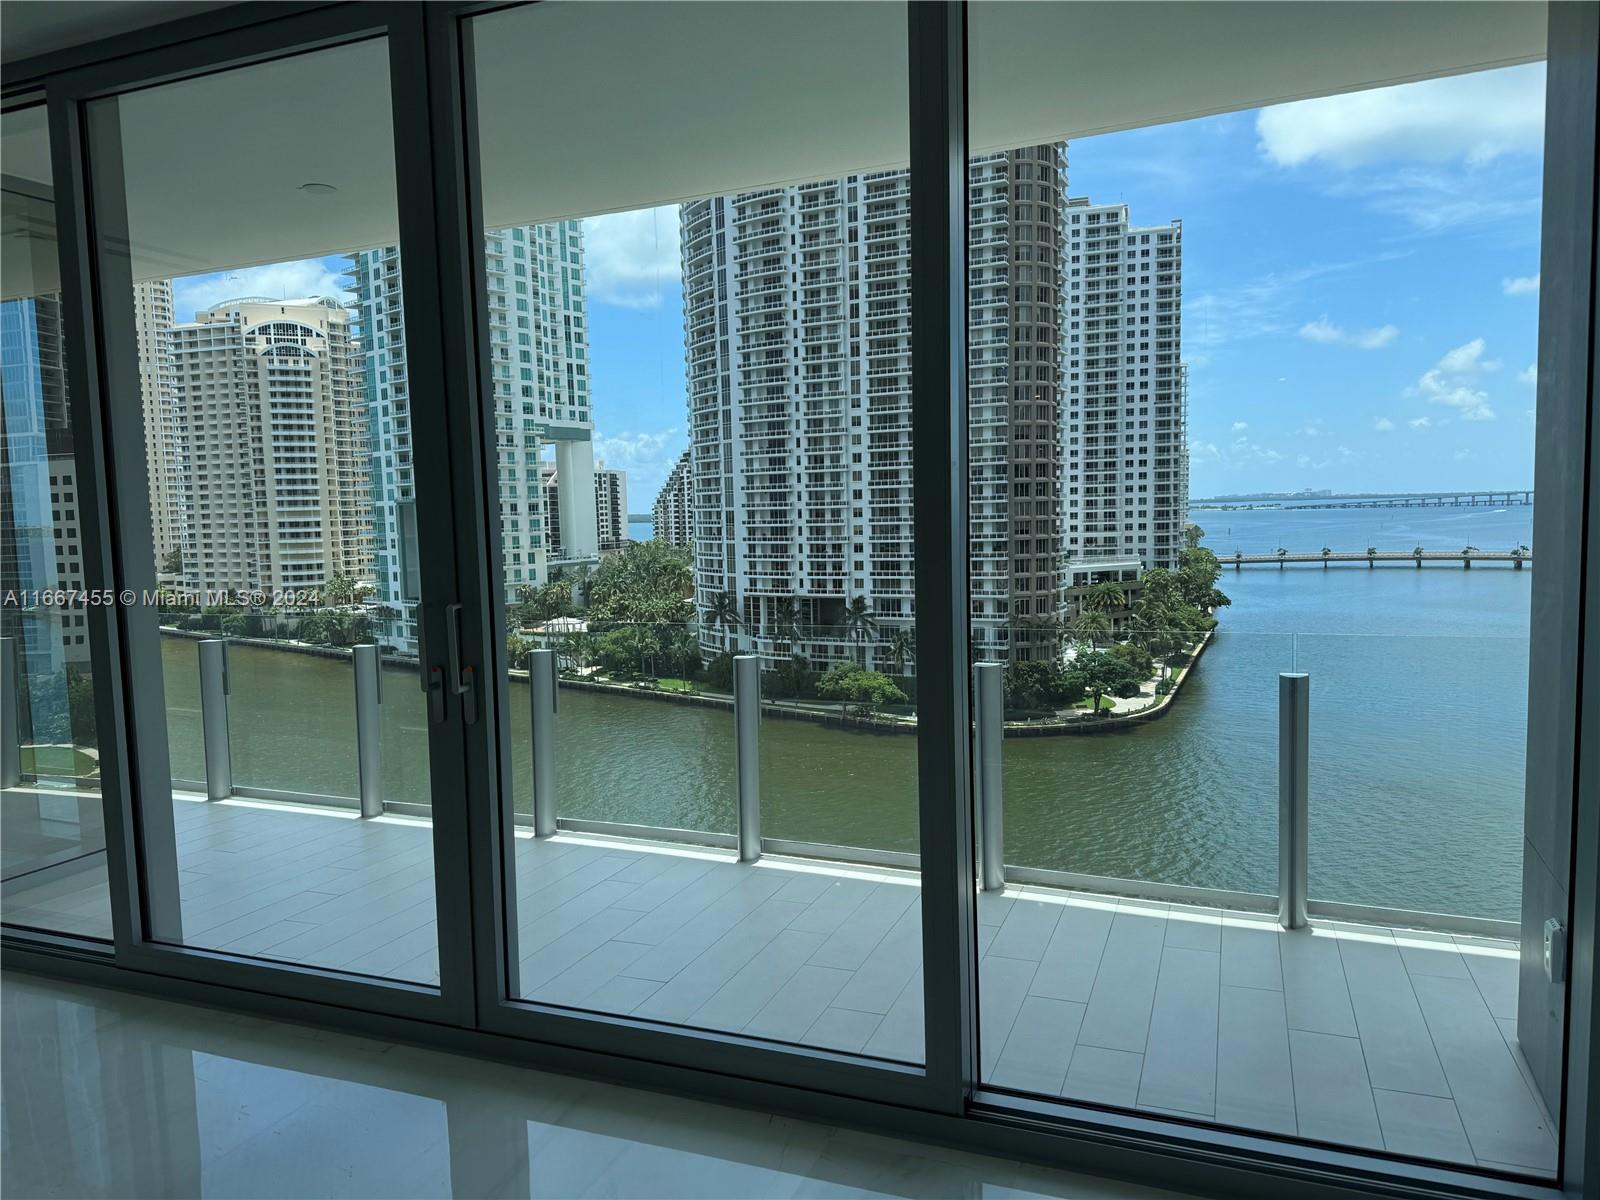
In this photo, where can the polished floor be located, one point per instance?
(1353, 1035)
(107, 1094)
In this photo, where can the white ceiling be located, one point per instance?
(591, 108)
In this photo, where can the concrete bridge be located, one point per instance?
(1466, 557)
(1433, 500)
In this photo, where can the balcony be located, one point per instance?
(780, 912)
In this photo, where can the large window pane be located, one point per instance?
(51, 824)
(1246, 392)
(699, 304)
(277, 447)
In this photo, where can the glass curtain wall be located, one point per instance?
(699, 337)
(52, 839)
(1251, 424)
(252, 216)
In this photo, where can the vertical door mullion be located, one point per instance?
(938, 113)
(80, 348)
(108, 437)
(448, 564)
(439, 270)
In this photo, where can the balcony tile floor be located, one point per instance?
(1353, 1035)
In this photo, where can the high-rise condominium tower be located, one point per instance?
(277, 460)
(164, 434)
(1126, 397)
(797, 326)
(673, 512)
(610, 509)
(539, 348)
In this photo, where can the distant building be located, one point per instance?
(539, 349)
(672, 516)
(165, 437)
(274, 414)
(1125, 401)
(797, 327)
(610, 512)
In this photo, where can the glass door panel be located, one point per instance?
(249, 226)
(698, 328)
(1253, 379)
(51, 821)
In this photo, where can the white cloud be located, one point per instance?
(1258, 307)
(1529, 374)
(647, 457)
(1382, 424)
(1521, 285)
(1420, 423)
(1327, 333)
(632, 257)
(1462, 455)
(1240, 426)
(278, 281)
(1468, 357)
(1476, 118)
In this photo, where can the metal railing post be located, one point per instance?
(1294, 708)
(542, 700)
(214, 717)
(368, 665)
(747, 735)
(988, 689)
(10, 712)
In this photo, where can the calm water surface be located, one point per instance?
(1418, 724)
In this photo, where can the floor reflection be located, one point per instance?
(116, 1095)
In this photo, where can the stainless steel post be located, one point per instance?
(214, 717)
(10, 712)
(989, 714)
(369, 728)
(747, 735)
(1294, 707)
(542, 700)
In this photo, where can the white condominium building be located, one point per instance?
(164, 433)
(277, 462)
(797, 326)
(673, 512)
(1126, 398)
(539, 349)
(610, 511)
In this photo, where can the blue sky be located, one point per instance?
(1360, 290)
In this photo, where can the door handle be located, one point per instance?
(432, 677)
(462, 678)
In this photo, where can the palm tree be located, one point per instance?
(724, 611)
(786, 622)
(1105, 596)
(902, 647)
(1091, 625)
(859, 624)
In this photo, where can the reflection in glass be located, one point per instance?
(275, 417)
(51, 823)
(713, 709)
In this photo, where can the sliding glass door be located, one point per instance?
(695, 317)
(280, 570)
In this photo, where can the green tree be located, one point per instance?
(1091, 626)
(235, 625)
(902, 648)
(1030, 683)
(172, 562)
(1198, 572)
(1100, 672)
(338, 589)
(785, 626)
(723, 613)
(860, 624)
(1104, 597)
(794, 676)
(852, 685)
(643, 583)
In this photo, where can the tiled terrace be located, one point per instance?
(1355, 1035)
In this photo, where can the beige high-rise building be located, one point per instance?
(278, 476)
(164, 435)
(673, 513)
